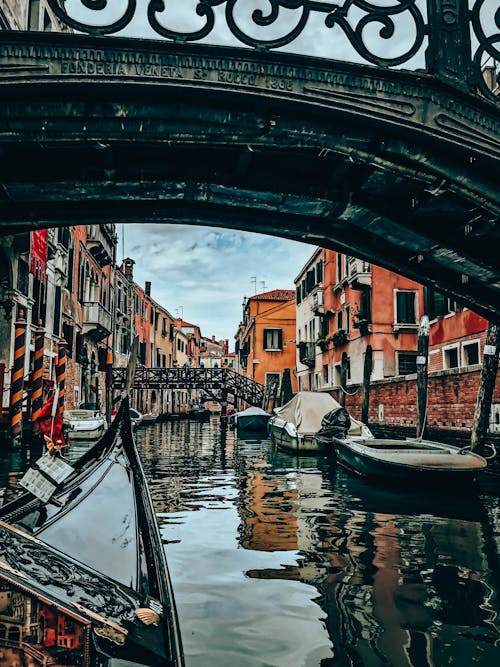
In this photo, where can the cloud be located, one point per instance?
(205, 273)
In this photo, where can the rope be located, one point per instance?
(347, 393)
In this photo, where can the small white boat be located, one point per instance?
(84, 424)
(297, 425)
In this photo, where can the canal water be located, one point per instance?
(278, 561)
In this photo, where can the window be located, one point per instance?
(319, 272)
(273, 380)
(339, 266)
(298, 294)
(273, 339)
(325, 374)
(405, 308)
(438, 304)
(23, 277)
(450, 357)
(407, 363)
(339, 320)
(347, 319)
(470, 352)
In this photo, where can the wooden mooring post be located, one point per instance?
(343, 378)
(367, 372)
(486, 388)
(422, 364)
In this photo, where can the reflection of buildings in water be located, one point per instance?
(396, 589)
(35, 631)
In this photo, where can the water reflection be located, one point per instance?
(278, 561)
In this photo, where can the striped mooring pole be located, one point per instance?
(36, 395)
(17, 379)
(61, 373)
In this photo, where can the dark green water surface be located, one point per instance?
(285, 562)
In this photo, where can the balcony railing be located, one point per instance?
(318, 300)
(96, 320)
(307, 354)
(359, 273)
(100, 242)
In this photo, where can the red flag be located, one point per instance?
(52, 429)
(38, 254)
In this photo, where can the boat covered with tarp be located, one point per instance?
(299, 425)
(253, 419)
(82, 554)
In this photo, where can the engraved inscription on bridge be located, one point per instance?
(409, 98)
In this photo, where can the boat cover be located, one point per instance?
(307, 409)
(253, 411)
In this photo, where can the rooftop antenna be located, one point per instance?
(253, 280)
(263, 283)
(180, 309)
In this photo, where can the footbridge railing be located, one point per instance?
(212, 380)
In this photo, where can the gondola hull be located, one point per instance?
(100, 529)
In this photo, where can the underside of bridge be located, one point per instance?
(406, 178)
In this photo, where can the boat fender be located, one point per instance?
(147, 616)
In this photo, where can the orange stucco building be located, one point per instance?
(265, 341)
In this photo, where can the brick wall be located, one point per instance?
(452, 398)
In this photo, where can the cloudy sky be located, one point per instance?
(203, 274)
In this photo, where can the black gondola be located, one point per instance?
(91, 559)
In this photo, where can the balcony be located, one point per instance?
(359, 273)
(318, 301)
(101, 242)
(96, 320)
(307, 354)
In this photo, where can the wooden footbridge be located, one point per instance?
(216, 382)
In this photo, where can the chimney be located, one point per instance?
(213, 338)
(128, 269)
(148, 288)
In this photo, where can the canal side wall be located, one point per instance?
(452, 398)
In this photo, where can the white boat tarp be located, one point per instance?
(307, 409)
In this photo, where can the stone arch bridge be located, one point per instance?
(398, 167)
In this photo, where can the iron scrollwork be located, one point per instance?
(489, 41)
(59, 9)
(243, 22)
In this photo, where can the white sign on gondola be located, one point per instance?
(34, 482)
(54, 467)
(37, 484)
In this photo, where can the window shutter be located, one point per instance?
(280, 339)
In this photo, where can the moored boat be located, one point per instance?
(199, 413)
(84, 424)
(298, 425)
(409, 461)
(85, 554)
(253, 419)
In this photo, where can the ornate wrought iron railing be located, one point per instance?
(187, 377)
(373, 30)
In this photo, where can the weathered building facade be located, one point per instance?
(265, 340)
